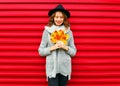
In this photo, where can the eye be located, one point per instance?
(61, 17)
(56, 16)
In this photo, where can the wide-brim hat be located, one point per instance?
(59, 8)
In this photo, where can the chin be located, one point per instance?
(58, 24)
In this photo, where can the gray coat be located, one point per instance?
(58, 61)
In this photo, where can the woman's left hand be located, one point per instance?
(62, 45)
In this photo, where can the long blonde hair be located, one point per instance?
(65, 22)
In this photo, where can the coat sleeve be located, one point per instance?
(43, 49)
(72, 49)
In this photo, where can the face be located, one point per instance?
(59, 18)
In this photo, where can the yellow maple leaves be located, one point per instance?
(59, 35)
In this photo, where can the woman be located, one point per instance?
(57, 45)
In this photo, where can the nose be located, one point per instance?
(58, 18)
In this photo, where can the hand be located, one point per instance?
(54, 47)
(61, 45)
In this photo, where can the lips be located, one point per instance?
(58, 22)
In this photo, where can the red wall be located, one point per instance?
(96, 28)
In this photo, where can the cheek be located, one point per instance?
(62, 19)
(55, 19)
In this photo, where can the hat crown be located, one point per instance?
(59, 7)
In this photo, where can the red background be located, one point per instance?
(96, 29)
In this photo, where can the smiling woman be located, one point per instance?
(58, 46)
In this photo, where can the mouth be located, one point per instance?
(58, 22)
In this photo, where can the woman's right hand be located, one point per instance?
(54, 47)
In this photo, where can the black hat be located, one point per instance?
(59, 8)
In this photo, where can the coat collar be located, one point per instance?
(54, 27)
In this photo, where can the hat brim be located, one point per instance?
(62, 10)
